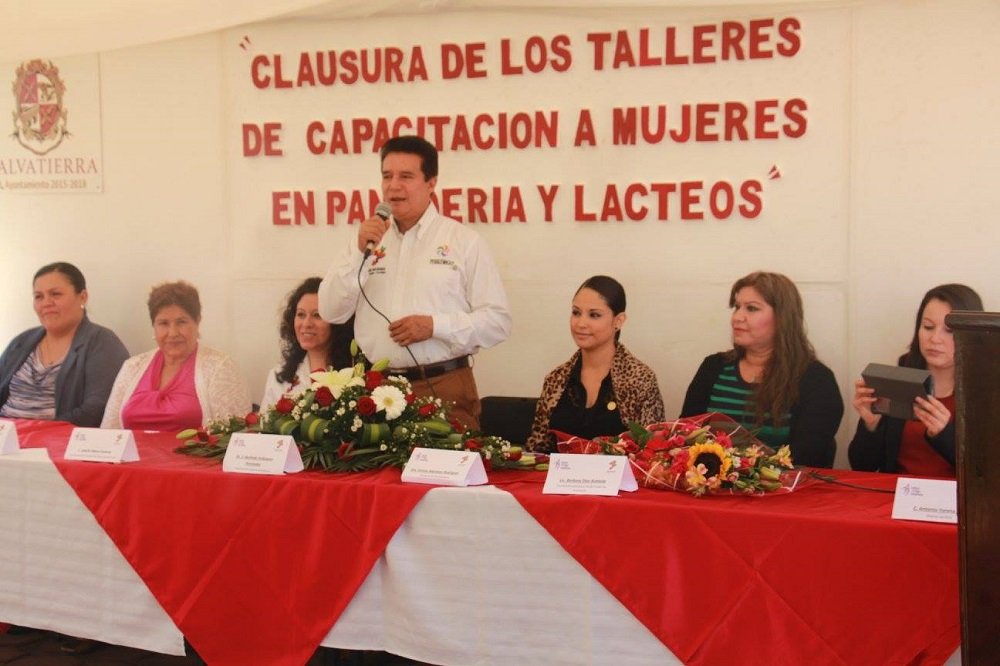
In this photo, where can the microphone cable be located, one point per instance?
(826, 478)
(416, 363)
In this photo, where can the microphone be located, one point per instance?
(383, 210)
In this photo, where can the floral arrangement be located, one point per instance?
(707, 454)
(355, 419)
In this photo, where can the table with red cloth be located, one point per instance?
(261, 569)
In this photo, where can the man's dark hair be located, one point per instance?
(414, 145)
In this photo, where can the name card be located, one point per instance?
(931, 500)
(257, 453)
(585, 474)
(444, 467)
(8, 438)
(100, 445)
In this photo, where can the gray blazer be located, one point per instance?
(86, 376)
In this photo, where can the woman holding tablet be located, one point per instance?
(925, 445)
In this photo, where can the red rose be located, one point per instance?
(472, 445)
(284, 406)
(251, 419)
(657, 444)
(677, 441)
(724, 439)
(410, 397)
(373, 379)
(514, 455)
(427, 410)
(541, 458)
(324, 396)
(343, 449)
(366, 406)
(213, 439)
(202, 436)
(680, 461)
(456, 425)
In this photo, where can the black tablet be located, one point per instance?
(896, 387)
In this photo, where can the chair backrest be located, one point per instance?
(508, 417)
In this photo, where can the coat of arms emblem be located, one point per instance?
(39, 114)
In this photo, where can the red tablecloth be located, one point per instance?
(243, 564)
(820, 576)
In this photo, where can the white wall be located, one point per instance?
(892, 195)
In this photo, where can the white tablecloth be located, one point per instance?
(470, 578)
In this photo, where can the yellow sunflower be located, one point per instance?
(713, 456)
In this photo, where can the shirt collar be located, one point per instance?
(423, 223)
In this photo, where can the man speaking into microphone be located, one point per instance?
(432, 277)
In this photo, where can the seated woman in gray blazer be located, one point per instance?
(62, 370)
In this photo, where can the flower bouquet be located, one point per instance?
(707, 454)
(355, 419)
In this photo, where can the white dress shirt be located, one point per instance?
(439, 267)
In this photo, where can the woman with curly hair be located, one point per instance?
(771, 381)
(308, 343)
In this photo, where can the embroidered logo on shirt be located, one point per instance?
(443, 250)
(379, 254)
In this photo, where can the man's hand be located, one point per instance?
(372, 230)
(410, 329)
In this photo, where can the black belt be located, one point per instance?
(431, 370)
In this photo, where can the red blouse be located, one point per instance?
(916, 456)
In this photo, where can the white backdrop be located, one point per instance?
(887, 193)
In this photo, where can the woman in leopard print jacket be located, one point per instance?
(602, 387)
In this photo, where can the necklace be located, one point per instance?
(48, 356)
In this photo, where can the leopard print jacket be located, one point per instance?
(634, 384)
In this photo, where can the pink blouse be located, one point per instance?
(174, 407)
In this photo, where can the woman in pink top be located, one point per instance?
(180, 384)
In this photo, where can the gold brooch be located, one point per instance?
(612, 406)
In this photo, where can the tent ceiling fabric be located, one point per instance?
(69, 27)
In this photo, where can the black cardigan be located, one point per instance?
(815, 417)
(878, 451)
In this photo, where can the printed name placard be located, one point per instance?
(257, 453)
(443, 467)
(584, 474)
(931, 500)
(8, 438)
(100, 445)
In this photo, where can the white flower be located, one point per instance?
(341, 411)
(335, 380)
(356, 425)
(383, 447)
(390, 400)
